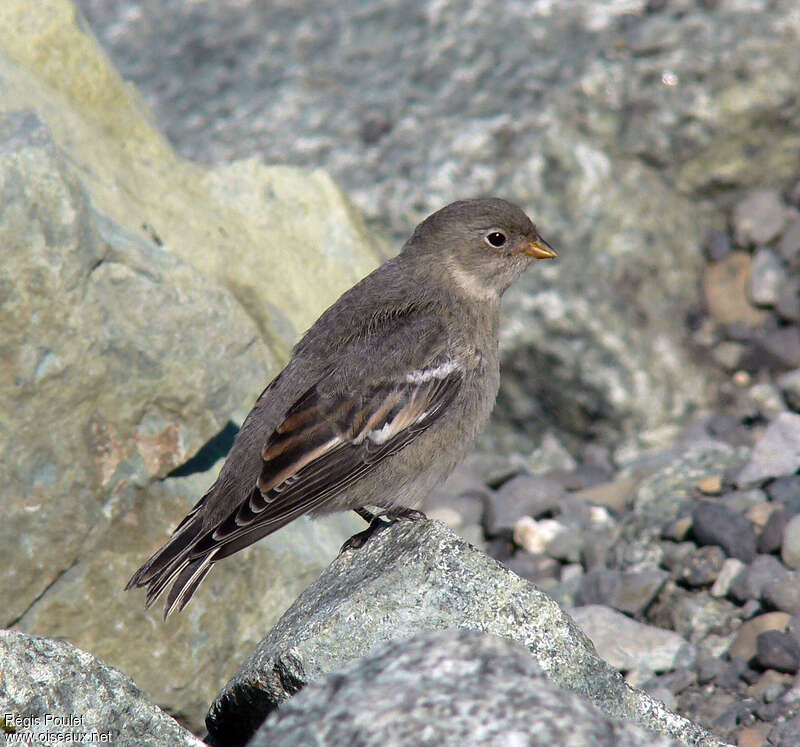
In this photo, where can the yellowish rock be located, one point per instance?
(285, 241)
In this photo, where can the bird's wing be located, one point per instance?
(324, 444)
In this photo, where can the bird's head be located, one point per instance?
(483, 244)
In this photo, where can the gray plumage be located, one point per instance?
(382, 397)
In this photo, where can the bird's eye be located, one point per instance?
(496, 239)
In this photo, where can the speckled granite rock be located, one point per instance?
(43, 680)
(460, 687)
(409, 578)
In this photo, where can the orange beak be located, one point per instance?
(540, 249)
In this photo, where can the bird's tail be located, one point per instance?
(173, 564)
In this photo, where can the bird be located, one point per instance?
(381, 398)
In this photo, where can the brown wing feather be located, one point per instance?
(298, 479)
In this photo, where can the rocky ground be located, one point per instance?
(642, 462)
(702, 539)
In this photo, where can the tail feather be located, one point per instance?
(172, 563)
(191, 576)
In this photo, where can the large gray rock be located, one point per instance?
(601, 118)
(451, 687)
(117, 359)
(54, 693)
(414, 577)
(144, 303)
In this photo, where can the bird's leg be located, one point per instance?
(379, 522)
(376, 524)
(365, 514)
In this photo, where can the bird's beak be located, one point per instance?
(540, 249)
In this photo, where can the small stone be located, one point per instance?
(758, 218)
(783, 345)
(729, 429)
(750, 737)
(706, 333)
(766, 276)
(778, 650)
(768, 400)
(627, 644)
(718, 245)
(638, 589)
(729, 354)
(770, 686)
(551, 455)
(742, 378)
(763, 570)
(714, 524)
(741, 332)
(566, 545)
(783, 592)
(615, 495)
(571, 571)
(582, 477)
(534, 536)
(599, 586)
(741, 501)
(678, 529)
(731, 677)
(533, 567)
(710, 485)
(786, 491)
(731, 569)
(776, 453)
(788, 305)
(789, 384)
(523, 495)
(750, 609)
(744, 645)
(709, 668)
(759, 513)
(790, 548)
(794, 626)
(771, 537)
(769, 711)
(701, 567)
(725, 285)
(789, 244)
(600, 515)
(787, 733)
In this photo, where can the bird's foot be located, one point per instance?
(377, 523)
(409, 514)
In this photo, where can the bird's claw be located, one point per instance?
(379, 522)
